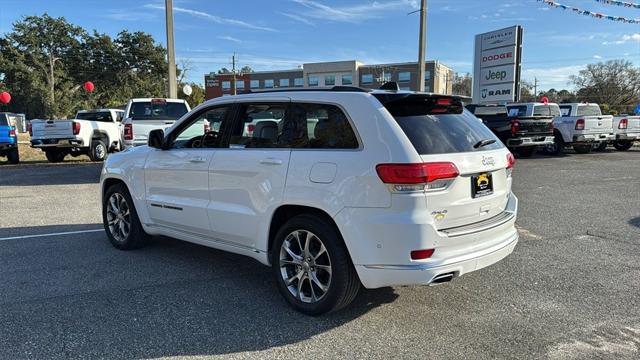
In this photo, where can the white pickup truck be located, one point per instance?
(144, 115)
(626, 129)
(581, 126)
(92, 132)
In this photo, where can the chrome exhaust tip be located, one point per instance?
(442, 278)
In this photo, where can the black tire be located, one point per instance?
(622, 145)
(557, 147)
(602, 146)
(13, 156)
(98, 150)
(136, 237)
(343, 282)
(55, 156)
(582, 148)
(525, 152)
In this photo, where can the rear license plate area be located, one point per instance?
(481, 185)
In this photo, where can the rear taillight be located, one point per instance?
(30, 130)
(422, 254)
(250, 129)
(580, 124)
(417, 177)
(515, 126)
(511, 162)
(623, 124)
(76, 128)
(12, 133)
(206, 127)
(128, 131)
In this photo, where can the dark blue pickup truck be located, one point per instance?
(8, 139)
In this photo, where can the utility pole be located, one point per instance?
(423, 44)
(535, 88)
(171, 54)
(233, 71)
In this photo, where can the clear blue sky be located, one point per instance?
(281, 34)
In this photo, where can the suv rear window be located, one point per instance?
(103, 116)
(3, 120)
(157, 110)
(442, 133)
(588, 110)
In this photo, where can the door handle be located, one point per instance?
(197, 159)
(271, 161)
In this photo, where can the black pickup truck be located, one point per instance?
(521, 134)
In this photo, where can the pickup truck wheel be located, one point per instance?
(557, 147)
(602, 146)
(13, 156)
(622, 145)
(582, 149)
(525, 152)
(98, 150)
(55, 156)
(312, 267)
(120, 219)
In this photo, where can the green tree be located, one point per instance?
(197, 95)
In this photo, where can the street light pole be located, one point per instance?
(423, 44)
(171, 54)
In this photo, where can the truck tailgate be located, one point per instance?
(536, 125)
(142, 128)
(598, 124)
(51, 129)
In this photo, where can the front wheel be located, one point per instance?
(120, 219)
(13, 156)
(622, 145)
(312, 267)
(582, 148)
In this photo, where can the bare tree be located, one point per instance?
(616, 83)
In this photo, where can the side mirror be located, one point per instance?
(156, 138)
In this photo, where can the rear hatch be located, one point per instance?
(52, 129)
(594, 121)
(155, 114)
(445, 134)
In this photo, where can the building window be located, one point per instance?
(284, 82)
(330, 80)
(347, 79)
(313, 81)
(298, 82)
(268, 83)
(226, 85)
(255, 84)
(367, 79)
(404, 76)
(386, 77)
(240, 84)
(427, 88)
(427, 75)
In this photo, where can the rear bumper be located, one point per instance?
(133, 143)
(51, 143)
(530, 141)
(381, 251)
(593, 137)
(8, 146)
(628, 136)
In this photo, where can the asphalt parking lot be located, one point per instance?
(570, 290)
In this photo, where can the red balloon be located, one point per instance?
(545, 100)
(5, 97)
(89, 86)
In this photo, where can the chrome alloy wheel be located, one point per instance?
(118, 217)
(100, 152)
(305, 266)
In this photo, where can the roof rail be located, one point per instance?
(338, 88)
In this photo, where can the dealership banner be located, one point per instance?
(496, 66)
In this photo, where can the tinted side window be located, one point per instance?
(3, 120)
(259, 126)
(100, 116)
(319, 126)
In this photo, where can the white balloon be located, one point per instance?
(187, 90)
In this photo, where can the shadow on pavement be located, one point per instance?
(635, 222)
(50, 174)
(78, 297)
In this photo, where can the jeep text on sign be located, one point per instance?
(496, 75)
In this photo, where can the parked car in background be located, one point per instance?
(143, 115)
(626, 129)
(522, 134)
(380, 188)
(581, 126)
(8, 139)
(92, 132)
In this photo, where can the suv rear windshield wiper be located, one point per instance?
(484, 142)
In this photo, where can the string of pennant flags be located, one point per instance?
(620, 3)
(594, 14)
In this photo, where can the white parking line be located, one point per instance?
(51, 234)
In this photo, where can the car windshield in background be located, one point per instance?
(546, 110)
(157, 110)
(588, 110)
(442, 133)
(103, 116)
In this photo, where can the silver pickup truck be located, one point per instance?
(581, 126)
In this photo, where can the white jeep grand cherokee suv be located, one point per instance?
(333, 189)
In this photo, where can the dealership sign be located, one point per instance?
(496, 74)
